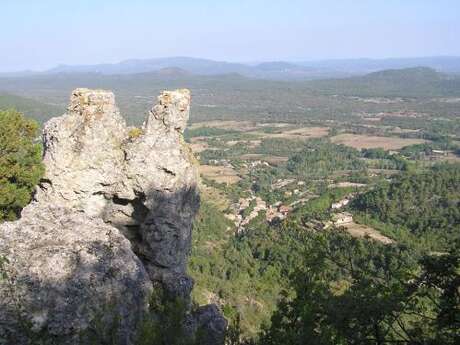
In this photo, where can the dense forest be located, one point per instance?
(349, 291)
(319, 159)
(274, 260)
(426, 204)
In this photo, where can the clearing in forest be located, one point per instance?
(360, 230)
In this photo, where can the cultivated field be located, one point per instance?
(358, 141)
(303, 133)
(219, 174)
(281, 130)
(230, 125)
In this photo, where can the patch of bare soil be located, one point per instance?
(303, 133)
(359, 141)
(360, 230)
(199, 146)
(219, 174)
(234, 125)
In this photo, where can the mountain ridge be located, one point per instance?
(276, 70)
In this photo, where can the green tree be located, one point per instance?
(352, 291)
(20, 162)
(441, 275)
(426, 204)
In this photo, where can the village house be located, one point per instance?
(342, 218)
(340, 204)
(339, 219)
(285, 210)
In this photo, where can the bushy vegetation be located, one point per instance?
(279, 147)
(320, 158)
(319, 208)
(351, 291)
(135, 133)
(206, 132)
(245, 273)
(425, 203)
(20, 162)
(334, 289)
(249, 272)
(420, 150)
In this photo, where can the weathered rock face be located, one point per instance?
(113, 213)
(140, 180)
(65, 271)
(83, 153)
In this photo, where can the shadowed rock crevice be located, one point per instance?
(134, 213)
(124, 197)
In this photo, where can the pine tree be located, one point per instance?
(20, 162)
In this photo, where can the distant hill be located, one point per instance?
(414, 74)
(173, 72)
(275, 70)
(406, 82)
(278, 70)
(445, 64)
(133, 66)
(29, 107)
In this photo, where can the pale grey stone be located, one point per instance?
(113, 213)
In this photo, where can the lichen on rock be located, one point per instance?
(112, 214)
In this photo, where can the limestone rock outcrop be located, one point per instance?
(113, 213)
(140, 180)
(65, 271)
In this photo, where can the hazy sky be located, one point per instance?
(38, 34)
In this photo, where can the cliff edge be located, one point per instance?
(111, 218)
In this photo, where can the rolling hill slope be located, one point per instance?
(407, 82)
(38, 110)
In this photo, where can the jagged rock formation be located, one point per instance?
(140, 180)
(113, 213)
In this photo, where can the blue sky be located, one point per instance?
(38, 34)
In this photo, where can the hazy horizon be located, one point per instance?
(249, 63)
(39, 36)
